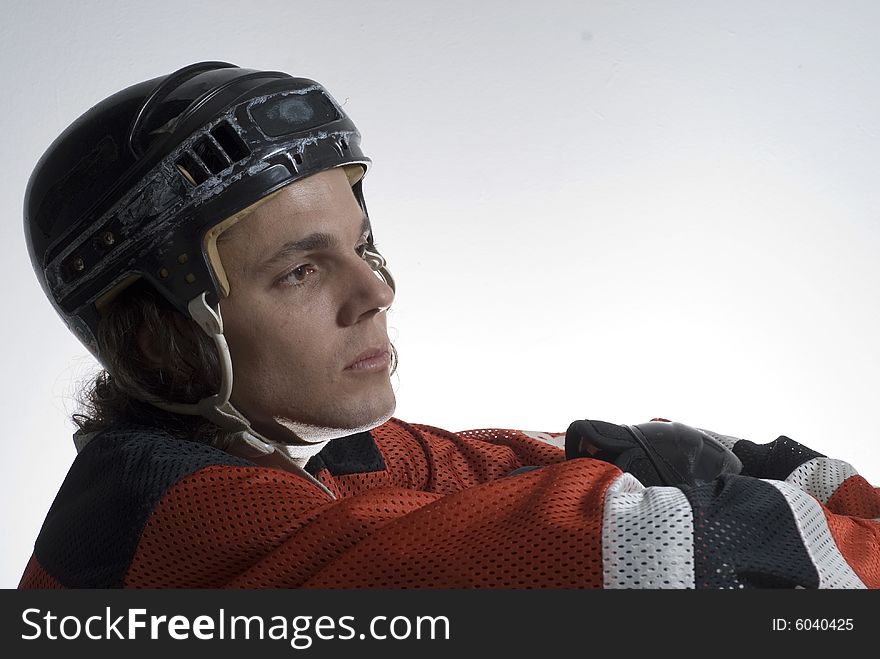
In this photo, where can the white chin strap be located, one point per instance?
(216, 408)
(244, 440)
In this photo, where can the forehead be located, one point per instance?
(323, 202)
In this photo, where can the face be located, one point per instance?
(305, 316)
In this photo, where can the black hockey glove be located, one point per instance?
(656, 453)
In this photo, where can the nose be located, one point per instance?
(367, 294)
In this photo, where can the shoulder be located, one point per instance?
(115, 482)
(131, 455)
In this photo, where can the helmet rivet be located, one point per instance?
(163, 273)
(183, 258)
(190, 278)
(108, 238)
(78, 264)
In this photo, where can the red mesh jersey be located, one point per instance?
(420, 507)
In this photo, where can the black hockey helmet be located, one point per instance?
(133, 188)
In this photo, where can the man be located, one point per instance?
(205, 235)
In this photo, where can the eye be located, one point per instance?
(298, 276)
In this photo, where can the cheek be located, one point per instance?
(247, 333)
(271, 340)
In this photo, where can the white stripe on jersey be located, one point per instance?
(834, 571)
(647, 536)
(821, 477)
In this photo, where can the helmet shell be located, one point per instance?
(131, 188)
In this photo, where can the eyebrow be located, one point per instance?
(314, 241)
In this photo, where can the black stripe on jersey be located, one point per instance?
(775, 460)
(93, 527)
(745, 536)
(353, 454)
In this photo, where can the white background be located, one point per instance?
(606, 210)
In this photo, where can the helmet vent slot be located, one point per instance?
(191, 170)
(210, 153)
(230, 141)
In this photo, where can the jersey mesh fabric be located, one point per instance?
(265, 535)
(821, 477)
(327, 544)
(833, 570)
(647, 537)
(776, 460)
(35, 576)
(434, 509)
(745, 536)
(859, 542)
(849, 499)
(539, 529)
(91, 530)
(459, 460)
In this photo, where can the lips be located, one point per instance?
(370, 358)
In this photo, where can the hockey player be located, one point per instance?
(205, 235)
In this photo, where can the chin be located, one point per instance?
(345, 422)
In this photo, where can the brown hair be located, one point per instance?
(179, 364)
